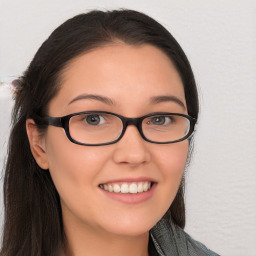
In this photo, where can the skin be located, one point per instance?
(129, 76)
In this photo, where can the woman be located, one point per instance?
(102, 128)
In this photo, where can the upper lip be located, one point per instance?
(130, 179)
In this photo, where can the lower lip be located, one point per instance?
(131, 198)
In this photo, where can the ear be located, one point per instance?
(37, 144)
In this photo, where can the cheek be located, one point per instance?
(172, 158)
(72, 166)
(171, 162)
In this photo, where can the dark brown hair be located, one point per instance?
(33, 222)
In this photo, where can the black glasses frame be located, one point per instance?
(64, 123)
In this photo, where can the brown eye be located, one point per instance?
(160, 120)
(94, 119)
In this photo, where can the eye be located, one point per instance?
(94, 119)
(160, 120)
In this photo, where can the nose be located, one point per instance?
(132, 148)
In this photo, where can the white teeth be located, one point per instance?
(110, 188)
(146, 186)
(140, 187)
(117, 188)
(133, 188)
(124, 188)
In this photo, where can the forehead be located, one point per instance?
(129, 75)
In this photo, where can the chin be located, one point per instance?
(131, 231)
(131, 226)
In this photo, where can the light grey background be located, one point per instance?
(219, 38)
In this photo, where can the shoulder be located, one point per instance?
(170, 239)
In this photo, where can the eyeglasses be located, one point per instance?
(96, 128)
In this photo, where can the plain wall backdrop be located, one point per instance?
(219, 38)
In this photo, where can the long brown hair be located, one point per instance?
(33, 221)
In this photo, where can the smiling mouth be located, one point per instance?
(127, 187)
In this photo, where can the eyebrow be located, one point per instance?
(108, 101)
(166, 98)
(100, 98)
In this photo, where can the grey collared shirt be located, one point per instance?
(170, 240)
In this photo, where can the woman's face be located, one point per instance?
(130, 76)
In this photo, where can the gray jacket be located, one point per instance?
(170, 240)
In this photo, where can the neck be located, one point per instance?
(89, 241)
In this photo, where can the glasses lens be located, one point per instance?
(95, 128)
(165, 128)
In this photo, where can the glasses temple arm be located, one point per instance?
(54, 121)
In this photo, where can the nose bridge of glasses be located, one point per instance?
(132, 121)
